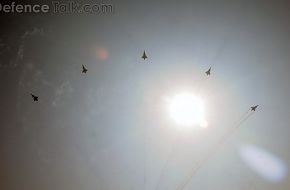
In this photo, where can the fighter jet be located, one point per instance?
(84, 69)
(144, 56)
(35, 98)
(208, 71)
(253, 108)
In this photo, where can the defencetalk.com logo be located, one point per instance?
(56, 7)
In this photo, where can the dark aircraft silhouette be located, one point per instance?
(208, 71)
(35, 98)
(253, 108)
(144, 56)
(84, 69)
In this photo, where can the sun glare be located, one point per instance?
(187, 110)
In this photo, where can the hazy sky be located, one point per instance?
(109, 129)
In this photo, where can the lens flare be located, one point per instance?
(264, 163)
(102, 53)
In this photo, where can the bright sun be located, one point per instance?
(187, 110)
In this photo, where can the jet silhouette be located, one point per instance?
(253, 108)
(208, 71)
(84, 69)
(144, 56)
(35, 98)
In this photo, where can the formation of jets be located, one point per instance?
(144, 56)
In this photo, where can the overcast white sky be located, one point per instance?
(89, 131)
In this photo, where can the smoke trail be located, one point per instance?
(214, 149)
(173, 148)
